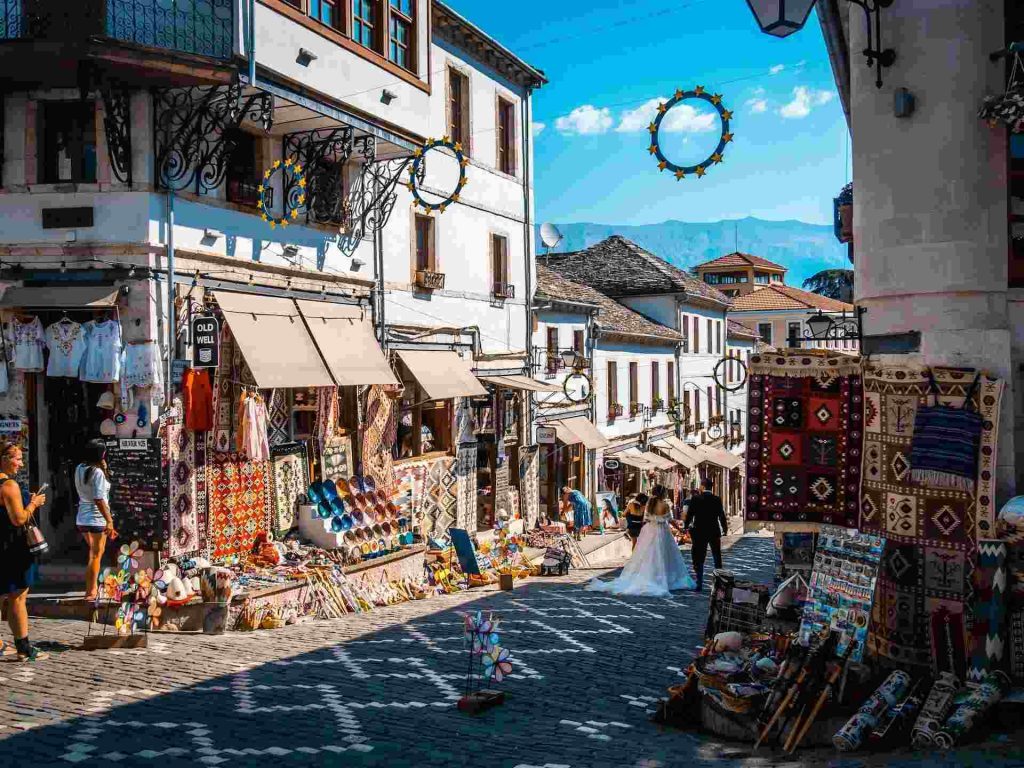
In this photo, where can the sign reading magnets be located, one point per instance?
(417, 171)
(205, 341)
(294, 191)
(716, 157)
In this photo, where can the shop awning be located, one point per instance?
(442, 375)
(719, 457)
(633, 458)
(585, 432)
(345, 337)
(274, 341)
(564, 434)
(520, 382)
(61, 297)
(677, 456)
(658, 462)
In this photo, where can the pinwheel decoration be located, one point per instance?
(112, 584)
(496, 664)
(482, 632)
(143, 585)
(154, 611)
(130, 555)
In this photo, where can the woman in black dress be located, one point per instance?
(18, 569)
(635, 509)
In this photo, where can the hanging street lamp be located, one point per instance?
(782, 18)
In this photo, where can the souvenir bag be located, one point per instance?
(34, 539)
(944, 451)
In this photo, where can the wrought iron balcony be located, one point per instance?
(430, 280)
(200, 27)
(247, 192)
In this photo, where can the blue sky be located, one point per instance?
(608, 60)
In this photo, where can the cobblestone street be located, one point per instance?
(380, 689)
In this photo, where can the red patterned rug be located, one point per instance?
(804, 451)
(239, 498)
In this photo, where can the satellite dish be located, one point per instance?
(549, 235)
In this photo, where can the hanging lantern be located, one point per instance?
(781, 18)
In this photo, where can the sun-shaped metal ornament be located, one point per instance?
(416, 173)
(295, 193)
(716, 157)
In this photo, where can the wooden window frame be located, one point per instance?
(499, 274)
(685, 327)
(793, 334)
(771, 333)
(465, 123)
(411, 49)
(655, 382)
(506, 156)
(343, 38)
(613, 389)
(432, 255)
(696, 335)
(579, 343)
(552, 349)
(671, 382)
(711, 347)
(89, 116)
(415, 394)
(718, 337)
(634, 387)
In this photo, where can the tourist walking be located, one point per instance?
(18, 568)
(705, 517)
(635, 510)
(656, 567)
(94, 520)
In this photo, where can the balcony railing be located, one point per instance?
(201, 27)
(430, 280)
(503, 291)
(247, 193)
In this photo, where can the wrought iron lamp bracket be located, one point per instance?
(117, 117)
(322, 154)
(372, 197)
(874, 53)
(845, 328)
(195, 130)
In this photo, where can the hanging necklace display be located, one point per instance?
(716, 157)
(294, 186)
(417, 172)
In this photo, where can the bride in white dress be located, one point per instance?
(656, 567)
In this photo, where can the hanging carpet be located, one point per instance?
(290, 480)
(239, 497)
(183, 527)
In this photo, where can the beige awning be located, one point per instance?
(442, 375)
(680, 458)
(344, 335)
(586, 431)
(719, 457)
(61, 297)
(274, 341)
(633, 458)
(565, 434)
(658, 462)
(520, 382)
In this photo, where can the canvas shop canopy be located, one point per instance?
(579, 430)
(719, 457)
(274, 341)
(61, 297)
(345, 338)
(443, 375)
(679, 451)
(520, 382)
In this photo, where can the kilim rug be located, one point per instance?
(336, 459)
(290, 480)
(183, 521)
(465, 490)
(931, 533)
(239, 496)
(202, 445)
(1016, 633)
(326, 412)
(530, 484)
(989, 627)
(379, 435)
(803, 455)
(277, 417)
(224, 394)
(426, 491)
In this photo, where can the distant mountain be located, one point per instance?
(800, 247)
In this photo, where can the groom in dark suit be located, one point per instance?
(705, 518)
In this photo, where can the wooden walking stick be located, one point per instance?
(835, 671)
(789, 678)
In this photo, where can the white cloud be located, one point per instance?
(684, 118)
(758, 106)
(586, 120)
(804, 100)
(538, 128)
(776, 69)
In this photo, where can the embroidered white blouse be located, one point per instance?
(101, 363)
(66, 342)
(28, 340)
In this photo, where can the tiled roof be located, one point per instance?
(619, 267)
(739, 331)
(612, 316)
(738, 259)
(772, 297)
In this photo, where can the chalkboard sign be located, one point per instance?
(137, 490)
(465, 551)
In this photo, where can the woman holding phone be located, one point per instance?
(18, 569)
(94, 519)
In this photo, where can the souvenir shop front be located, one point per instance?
(896, 619)
(628, 469)
(566, 448)
(724, 469)
(80, 362)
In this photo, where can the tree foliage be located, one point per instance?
(834, 283)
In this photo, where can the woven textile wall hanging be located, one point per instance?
(336, 459)
(277, 416)
(379, 435)
(291, 479)
(931, 533)
(465, 473)
(183, 515)
(803, 453)
(989, 626)
(240, 500)
(427, 492)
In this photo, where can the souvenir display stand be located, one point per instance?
(896, 619)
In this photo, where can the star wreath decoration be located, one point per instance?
(715, 158)
(293, 177)
(415, 173)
